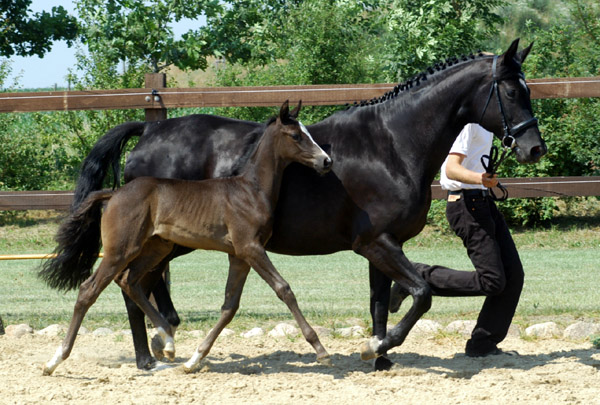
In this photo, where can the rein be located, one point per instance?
(509, 135)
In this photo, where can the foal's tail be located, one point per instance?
(79, 243)
(105, 154)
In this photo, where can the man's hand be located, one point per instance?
(488, 180)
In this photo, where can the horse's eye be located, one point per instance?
(296, 137)
(511, 93)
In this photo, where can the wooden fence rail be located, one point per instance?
(155, 99)
(158, 97)
(521, 187)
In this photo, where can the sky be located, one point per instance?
(51, 70)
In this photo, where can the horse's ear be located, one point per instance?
(284, 111)
(520, 57)
(509, 55)
(296, 111)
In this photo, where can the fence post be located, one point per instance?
(1, 327)
(156, 81)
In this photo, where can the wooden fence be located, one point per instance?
(156, 99)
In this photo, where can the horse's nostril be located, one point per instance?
(327, 162)
(537, 152)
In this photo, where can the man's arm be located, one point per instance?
(456, 171)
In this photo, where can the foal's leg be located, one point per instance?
(152, 281)
(386, 254)
(131, 282)
(254, 254)
(89, 291)
(238, 272)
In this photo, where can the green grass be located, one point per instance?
(561, 266)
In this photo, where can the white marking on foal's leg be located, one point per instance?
(369, 349)
(192, 363)
(52, 364)
(169, 349)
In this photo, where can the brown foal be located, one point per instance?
(146, 217)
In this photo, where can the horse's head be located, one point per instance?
(506, 109)
(295, 143)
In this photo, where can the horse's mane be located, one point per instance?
(416, 80)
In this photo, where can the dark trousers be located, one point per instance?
(498, 271)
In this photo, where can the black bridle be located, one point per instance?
(509, 135)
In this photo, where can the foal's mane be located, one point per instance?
(416, 80)
(253, 139)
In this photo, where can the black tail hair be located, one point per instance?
(105, 154)
(79, 243)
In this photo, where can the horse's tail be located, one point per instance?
(106, 153)
(79, 242)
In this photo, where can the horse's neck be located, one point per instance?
(265, 168)
(436, 112)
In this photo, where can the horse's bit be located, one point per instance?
(508, 140)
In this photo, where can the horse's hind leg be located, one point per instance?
(89, 291)
(238, 272)
(256, 257)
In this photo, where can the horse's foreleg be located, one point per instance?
(379, 301)
(143, 358)
(238, 272)
(256, 257)
(386, 254)
(88, 293)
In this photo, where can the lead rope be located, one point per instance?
(491, 166)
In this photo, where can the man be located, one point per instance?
(473, 216)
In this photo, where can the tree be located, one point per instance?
(139, 32)
(26, 35)
(422, 32)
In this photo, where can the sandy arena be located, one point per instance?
(271, 370)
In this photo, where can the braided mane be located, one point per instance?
(416, 80)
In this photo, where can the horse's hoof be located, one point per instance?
(368, 350)
(147, 365)
(325, 360)
(47, 371)
(157, 345)
(382, 363)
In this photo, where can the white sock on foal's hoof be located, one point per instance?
(52, 364)
(169, 344)
(192, 364)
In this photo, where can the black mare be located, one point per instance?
(377, 196)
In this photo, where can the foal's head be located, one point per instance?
(294, 143)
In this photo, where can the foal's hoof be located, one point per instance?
(368, 350)
(325, 360)
(47, 371)
(157, 345)
(193, 364)
(169, 354)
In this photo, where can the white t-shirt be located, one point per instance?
(473, 142)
